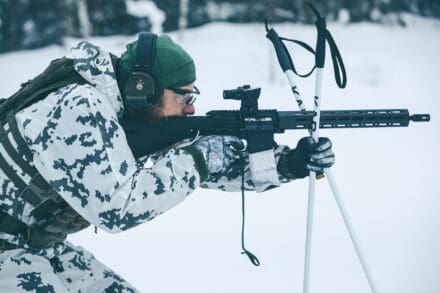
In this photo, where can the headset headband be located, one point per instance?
(145, 52)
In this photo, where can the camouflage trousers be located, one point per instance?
(74, 270)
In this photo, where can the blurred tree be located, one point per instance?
(10, 31)
(83, 17)
(45, 23)
(183, 17)
(33, 23)
(430, 8)
(108, 17)
(358, 10)
(30, 24)
(171, 9)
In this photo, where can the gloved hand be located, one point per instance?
(219, 152)
(307, 156)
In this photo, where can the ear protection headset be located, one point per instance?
(140, 89)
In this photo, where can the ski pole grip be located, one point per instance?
(320, 43)
(283, 56)
(321, 28)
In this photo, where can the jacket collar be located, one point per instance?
(94, 65)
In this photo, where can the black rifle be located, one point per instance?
(255, 126)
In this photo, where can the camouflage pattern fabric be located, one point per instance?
(230, 179)
(75, 270)
(81, 150)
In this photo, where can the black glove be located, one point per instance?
(308, 156)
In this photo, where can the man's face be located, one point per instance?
(176, 104)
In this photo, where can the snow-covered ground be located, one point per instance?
(386, 176)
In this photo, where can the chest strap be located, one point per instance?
(37, 190)
(35, 236)
(5, 245)
(55, 218)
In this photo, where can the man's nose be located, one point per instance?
(189, 110)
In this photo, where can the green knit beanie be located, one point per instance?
(172, 67)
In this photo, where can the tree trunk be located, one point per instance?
(270, 10)
(183, 18)
(85, 27)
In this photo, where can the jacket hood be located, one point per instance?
(94, 65)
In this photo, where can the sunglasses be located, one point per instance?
(186, 94)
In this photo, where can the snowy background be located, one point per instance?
(386, 176)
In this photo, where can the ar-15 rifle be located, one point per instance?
(255, 126)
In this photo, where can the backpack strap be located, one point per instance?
(54, 217)
(10, 225)
(34, 236)
(5, 245)
(31, 192)
(58, 74)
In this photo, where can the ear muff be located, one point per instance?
(140, 88)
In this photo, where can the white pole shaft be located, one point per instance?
(317, 101)
(312, 183)
(291, 78)
(309, 230)
(351, 231)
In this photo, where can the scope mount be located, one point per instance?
(248, 97)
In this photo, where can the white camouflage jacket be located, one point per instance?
(81, 149)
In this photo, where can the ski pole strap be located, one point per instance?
(305, 46)
(301, 43)
(338, 63)
(283, 56)
(286, 62)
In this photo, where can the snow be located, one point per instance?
(387, 177)
(147, 8)
(223, 10)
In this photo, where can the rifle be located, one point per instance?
(255, 126)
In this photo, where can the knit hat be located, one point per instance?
(172, 66)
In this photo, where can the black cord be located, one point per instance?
(338, 63)
(254, 260)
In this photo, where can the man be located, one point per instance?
(65, 163)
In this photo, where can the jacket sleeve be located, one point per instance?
(81, 150)
(231, 180)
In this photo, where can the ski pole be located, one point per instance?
(351, 232)
(319, 61)
(287, 67)
(336, 194)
